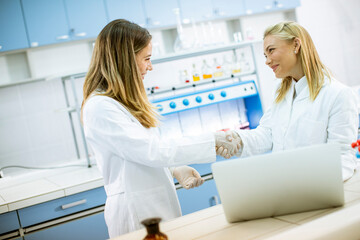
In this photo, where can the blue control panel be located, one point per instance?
(205, 97)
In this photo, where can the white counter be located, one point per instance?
(44, 185)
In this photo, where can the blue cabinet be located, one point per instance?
(261, 6)
(46, 21)
(9, 222)
(160, 13)
(59, 21)
(199, 198)
(12, 26)
(90, 228)
(86, 18)
(228, 8)
(130, 10)
(61, 207)
(196, 10)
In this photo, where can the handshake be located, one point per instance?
(227, 144)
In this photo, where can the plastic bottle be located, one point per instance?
(206, 70)
(195, 74)
(217, 69)
(152, 228)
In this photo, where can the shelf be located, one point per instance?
(188, 54)
(201, 82)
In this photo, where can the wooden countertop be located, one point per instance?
(211, 223)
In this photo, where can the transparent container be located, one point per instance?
(152, 228)
(184, 77)
(195, 74)
(206, 70)
(217, 69)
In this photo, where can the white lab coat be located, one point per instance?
(134, 163)
(297, 122)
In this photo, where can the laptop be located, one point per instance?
(280, 183)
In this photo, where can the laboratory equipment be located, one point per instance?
(206, 70)
(195, 73)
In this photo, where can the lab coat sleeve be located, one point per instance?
(110, 128)
(343, 129)
(259, 140)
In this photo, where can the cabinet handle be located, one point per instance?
(82, 34)
(73, 204)
(214, 201)
(63, 37)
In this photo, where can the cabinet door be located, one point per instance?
(199, 198)
(91, 227)
(9, 221)
(196, 10)
(269, 5)
(46, 21)
(160, 13)
(228, 8)
(12, 26)
(86, 18)
(130, 10)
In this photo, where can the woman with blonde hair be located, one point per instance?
(120, 125)
(311, 106)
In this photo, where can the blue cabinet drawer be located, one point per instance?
(9, 222)
(90, 228)
(62, 207)
(199, 198)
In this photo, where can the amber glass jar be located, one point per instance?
(152, 228)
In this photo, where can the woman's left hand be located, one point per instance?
(187, 176)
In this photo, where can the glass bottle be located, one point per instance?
(206, 70)
(217, 69)
(195, 74)
(226, 66)
(236, 68)
(181, 43)
(184, 77)
(152, 228)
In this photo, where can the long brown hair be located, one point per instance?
(315, 71)
(113, 71)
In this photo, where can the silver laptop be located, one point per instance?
(279, 183)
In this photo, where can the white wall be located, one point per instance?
(335, 29)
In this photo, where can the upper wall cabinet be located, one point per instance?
(12, 27)
(228, 8)
(57, 21)
(160, 13)
(130, 10)
(46, 21)
(202, 10)
(261, 6)
(86, 18)
(196, 10)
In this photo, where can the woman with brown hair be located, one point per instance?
(120, 126)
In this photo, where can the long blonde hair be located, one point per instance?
(313, 68)
(113, 71)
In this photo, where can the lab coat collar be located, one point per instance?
(301, 88)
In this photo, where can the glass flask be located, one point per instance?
(195, 74)
(152, 228)
(206, 70)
